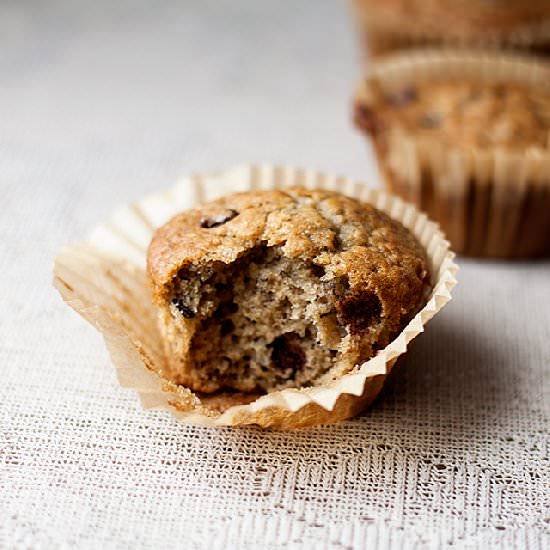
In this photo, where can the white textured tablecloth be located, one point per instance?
(103, 102)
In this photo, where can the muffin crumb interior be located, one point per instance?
(242, 343)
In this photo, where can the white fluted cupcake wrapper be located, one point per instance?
(104, 280)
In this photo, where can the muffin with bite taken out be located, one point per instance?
(266, 290)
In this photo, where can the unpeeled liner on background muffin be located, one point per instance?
(466, 137)
(390, 25)
(265, 290)
(104, 279)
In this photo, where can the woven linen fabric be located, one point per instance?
(103, 102)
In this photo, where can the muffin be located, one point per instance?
(466, 137)
(388, 25)
(265, 290)
(105, 280)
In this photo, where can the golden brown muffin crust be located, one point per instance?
(463, 113)
(344, 236)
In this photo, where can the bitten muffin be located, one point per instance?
(466, 138)
(265, 290)
(388, 25)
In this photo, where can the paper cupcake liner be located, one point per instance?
(489, 202)
(385, 28)
(104, 280)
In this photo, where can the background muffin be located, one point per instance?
(387, 25)
(465, 136)
(266, 290)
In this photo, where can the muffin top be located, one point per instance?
(463, 113)
(344, 237)
(461, 16)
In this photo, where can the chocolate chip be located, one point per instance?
(366, 119)
(501, 91)
(430, 120)
(218, 219)
(232, 307)
(359, 310)
(226, 327)
(403, 97)
(225, 309)
(184, 309)
(287, 355)
(317, 270)
(224, 292)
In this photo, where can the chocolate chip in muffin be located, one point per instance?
(366, 119)
(218, 219)
(403, 97)
(226, 327)
(184, 309)
(287, 355)
(359, 310)
(501, 91)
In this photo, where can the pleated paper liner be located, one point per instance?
(385, 28)
(104, 280)
(490, 202)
